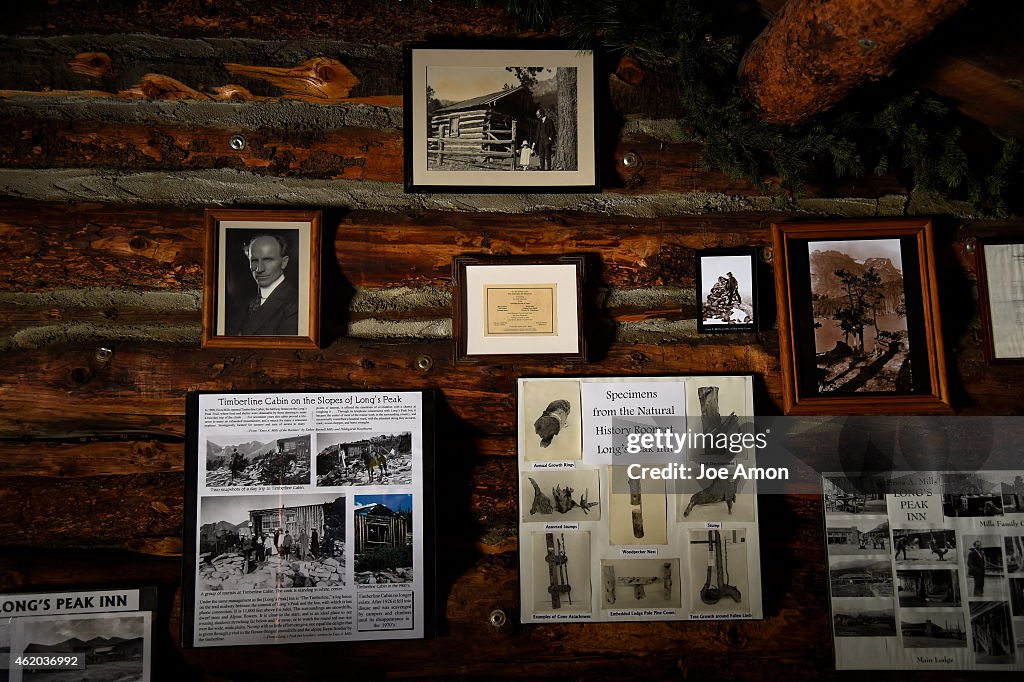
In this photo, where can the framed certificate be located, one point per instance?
(510, 307)
(1001, 294)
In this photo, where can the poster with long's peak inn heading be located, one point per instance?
(926, 570)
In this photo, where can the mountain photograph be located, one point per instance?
(860, 319)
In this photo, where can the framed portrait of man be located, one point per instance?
(262, 279)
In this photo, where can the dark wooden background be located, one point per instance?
(116, 119)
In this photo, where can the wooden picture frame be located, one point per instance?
(237, 312)
(727, 290)
(485, 117)
(1001, 260)
(507, 309)
(859, 325)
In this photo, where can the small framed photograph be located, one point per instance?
(518, 117)
(859, 324)
(1000, 265)
(261, 286)
(727, 290)
(507, 308)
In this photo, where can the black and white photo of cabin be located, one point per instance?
(364, 458)
(860, 318)
(113, 644)
(494, 118)
(271, 542)
(250, 460)
(382, 529)
(992, 632)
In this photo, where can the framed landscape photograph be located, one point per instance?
(859, 321)
(727, 290)
(1000, 264)
(261, 285)
(520, 118)
(507, 307)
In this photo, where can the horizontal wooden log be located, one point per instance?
(226, 187)
(150, 67)
(350, 20)
(140, 390)
(135, 511)
(352, 152)
(162, 248)
(82, 459)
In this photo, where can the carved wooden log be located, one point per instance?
(814, 52)
(318, 78)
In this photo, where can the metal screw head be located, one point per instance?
(497, 618)
(970, 245)
(104, 354)
(767, 254)
(237, 142)
(424, 363)
(631, 160)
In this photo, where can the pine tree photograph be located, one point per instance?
(860, 317)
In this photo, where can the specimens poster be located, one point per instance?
(306, 516)
(926, 570)
(637, 499)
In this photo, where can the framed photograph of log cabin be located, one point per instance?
(500, 118)
(506, 308)
(859, 324)
(726, 290)
(1000, 269)
(261, 285)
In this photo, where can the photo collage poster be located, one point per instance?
(615, 526)
(926, 570)
(306, 516)
(77, 635)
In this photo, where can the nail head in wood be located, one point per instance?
(497, 618)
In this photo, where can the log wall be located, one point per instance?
(117, 125)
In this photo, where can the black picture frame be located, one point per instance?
(469, 137)
(718, 311)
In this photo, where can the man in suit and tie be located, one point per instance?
(275, 311)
